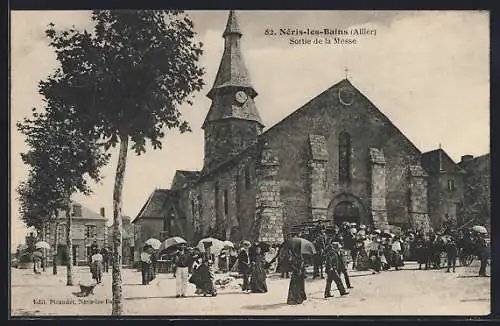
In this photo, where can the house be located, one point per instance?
(87, 228)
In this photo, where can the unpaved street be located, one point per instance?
(405, 292)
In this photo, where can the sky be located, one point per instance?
(427, 71)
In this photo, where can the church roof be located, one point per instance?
(154, 208)
(232, 74)
(334, 89)
(232, 26)
(308, 106)
(183, 178)
(438, 161)
(232, 69)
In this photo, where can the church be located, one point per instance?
(338, 157)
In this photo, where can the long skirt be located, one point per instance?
(421, 255)
(96, 269)
(203, 280)
(258, 279)
(147, 273)
(296, 290)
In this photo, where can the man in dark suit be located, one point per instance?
(342, 267)
(244, 265)
(332, 267)
(318, 258)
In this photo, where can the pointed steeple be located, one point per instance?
(233, 122)
(232, 26)
(232, 77)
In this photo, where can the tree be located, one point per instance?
(38, 204)
(61, 156)
(127, 80)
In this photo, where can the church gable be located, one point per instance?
(345, 104)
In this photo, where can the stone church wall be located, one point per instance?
(326, 117)
(238, 182)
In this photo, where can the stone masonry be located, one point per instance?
(269, 210)
(378, 188)
(418, 211)
(317, 177)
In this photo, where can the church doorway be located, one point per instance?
(346, 211)
(346, 207)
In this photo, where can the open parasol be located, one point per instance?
(42, 245)
(215, 245)
(479, 229)
(172, 242)
(297, 244)
(154, 243)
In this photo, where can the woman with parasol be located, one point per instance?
(258, 271)
(295, 248)
(203, 276)
(146, 265)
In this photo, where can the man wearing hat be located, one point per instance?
(332, 267)
(182, 261)
(342, 267)
(318, 258)
(244, 265)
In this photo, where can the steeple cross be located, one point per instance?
(346, 71)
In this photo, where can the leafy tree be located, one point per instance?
(127, 80)
(61, 157)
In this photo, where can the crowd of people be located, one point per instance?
(365, 247)
(371, 248)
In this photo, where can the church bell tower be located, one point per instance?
(233, 122)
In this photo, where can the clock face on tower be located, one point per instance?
(346, 95)
(241, 97)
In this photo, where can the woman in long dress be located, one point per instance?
(146, 266)
(296, 290)
(96, 266)
(203, 276)
(258, 273)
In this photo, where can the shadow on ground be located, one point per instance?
(265, 306)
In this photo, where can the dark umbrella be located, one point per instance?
(296, 244)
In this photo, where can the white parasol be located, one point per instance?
(154, 243)
(42, 245)
(479, 229)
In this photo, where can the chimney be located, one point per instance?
(466, 158)
(103, 214)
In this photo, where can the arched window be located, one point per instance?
(344, 157)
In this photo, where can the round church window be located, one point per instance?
(346, 96)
